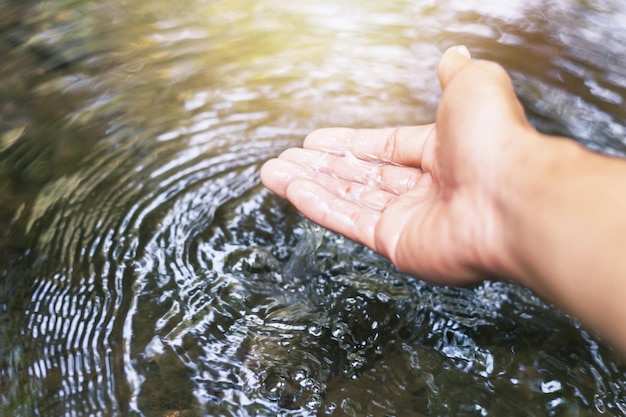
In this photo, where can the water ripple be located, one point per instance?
(147, 272)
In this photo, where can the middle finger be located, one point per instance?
(391, 178)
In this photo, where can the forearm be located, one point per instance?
(565, 217)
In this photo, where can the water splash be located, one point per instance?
(298, 270)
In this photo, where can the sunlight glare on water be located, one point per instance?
(146, 272)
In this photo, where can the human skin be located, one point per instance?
(479, 194)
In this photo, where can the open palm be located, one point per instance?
(423, 196)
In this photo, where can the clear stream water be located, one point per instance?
(146, 272)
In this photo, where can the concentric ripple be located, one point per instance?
(144, 270)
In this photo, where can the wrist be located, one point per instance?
(527, 199)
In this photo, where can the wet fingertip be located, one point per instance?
(287, 153)
(454, 52)
(453, 60)
(299, 193)
(312, 138)
(265, 168)
(269, 176)
(277, 174)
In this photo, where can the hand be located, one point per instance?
(426, 197)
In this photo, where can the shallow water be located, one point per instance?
(145, 271)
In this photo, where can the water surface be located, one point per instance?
(146, 272)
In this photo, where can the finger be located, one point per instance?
(363, 195)
(453, 60)
(391, 178)
(278, 174)
(401, 145)
(352, 220)
(479, 80)
(480, 74)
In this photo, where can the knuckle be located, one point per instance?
(390, 145)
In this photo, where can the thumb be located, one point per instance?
(452, 61)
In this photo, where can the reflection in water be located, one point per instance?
(146, 272)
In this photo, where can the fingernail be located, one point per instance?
(462, 49)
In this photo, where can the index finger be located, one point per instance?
(399, 145)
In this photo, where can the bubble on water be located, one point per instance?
(599, 403)
(275, 386)
(314, 402)
(550, 387)
(315, 330)
(357, 361)
(338, 330)
(300, 376)
(330, 408)
(350, 407)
